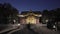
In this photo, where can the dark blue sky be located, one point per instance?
(22, 5)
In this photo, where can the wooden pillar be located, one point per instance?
(37, 20)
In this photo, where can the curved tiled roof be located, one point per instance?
(35, 12)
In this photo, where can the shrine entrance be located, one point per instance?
(31, 20)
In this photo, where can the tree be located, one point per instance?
(44, 15)
(8, 13)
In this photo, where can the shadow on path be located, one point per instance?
(26, 30)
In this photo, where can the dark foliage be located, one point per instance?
(7, 11)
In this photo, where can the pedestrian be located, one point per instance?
(28, 26)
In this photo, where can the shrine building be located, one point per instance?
(31, 17)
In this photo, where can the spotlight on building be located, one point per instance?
(21, 15)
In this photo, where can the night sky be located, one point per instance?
(23, 5)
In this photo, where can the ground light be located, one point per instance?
(18, 24)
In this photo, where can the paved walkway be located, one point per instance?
(44, 30)
(7, 28)
(36, 30)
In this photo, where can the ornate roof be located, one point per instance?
(27, 12)
(30, 13)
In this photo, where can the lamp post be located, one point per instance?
(39, 15)
(47, 20)
(14, 21)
